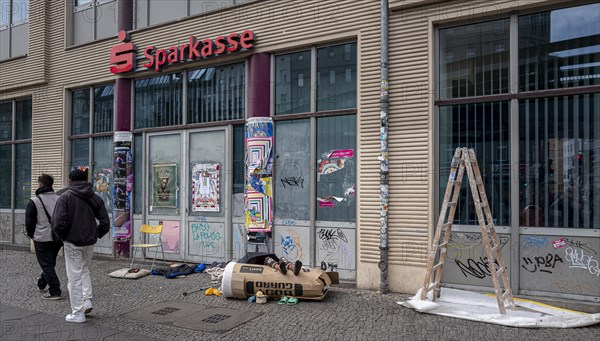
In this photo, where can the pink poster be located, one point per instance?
(170, 236)
(341, 153)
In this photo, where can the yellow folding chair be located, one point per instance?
(148, 230)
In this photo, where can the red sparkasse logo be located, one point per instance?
(123, 56)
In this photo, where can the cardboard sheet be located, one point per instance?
(244, 280)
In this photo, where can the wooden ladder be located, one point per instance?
(465, 159)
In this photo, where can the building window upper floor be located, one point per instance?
(91, 20)
(14, 30)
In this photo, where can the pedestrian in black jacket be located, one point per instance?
(74, 222)
(37, 223)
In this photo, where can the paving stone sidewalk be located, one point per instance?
(345, 314)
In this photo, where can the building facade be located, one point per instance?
(518, 81)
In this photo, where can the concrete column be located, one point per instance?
(122, 100)
(258, 100)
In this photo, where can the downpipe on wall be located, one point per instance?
(383, 157)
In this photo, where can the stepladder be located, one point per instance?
(464, 159)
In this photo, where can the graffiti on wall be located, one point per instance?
(463, 246)
(580, 244)
(207, 239)
(541, 263)
(290, 244)
(534, 242)
(334, 245)
(560, 264)
(240, 239)
(465, 250)
(5, 228)
(20, 237)
(577, 259)
(292, 192)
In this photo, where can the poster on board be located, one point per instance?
(259, 175)
(206, 187)
(102, 183)
(170, 236)
(164, 185)
(122, 182)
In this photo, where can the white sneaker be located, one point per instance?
(87, 306)
(75, 318)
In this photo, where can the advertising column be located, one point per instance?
(122, 189)
(122, 59)
(258, 197)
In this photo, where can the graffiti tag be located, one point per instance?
(541, 263)
(463, 245)
(532, 242)
(289, 222)
(209, 247)
(5, 228)
(334, 247)
(202, 231)
(331, 234)
(291, 245)
(580, 244)
(292, 181)
(579, 260)
(476, 268)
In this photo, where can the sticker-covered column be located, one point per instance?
(259, 176)
(122, 189)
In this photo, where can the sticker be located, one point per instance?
(559, 243)
(328, 201)
(323, 203)
(350, 191)
(341, 153)
(331, 166)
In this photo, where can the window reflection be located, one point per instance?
(560, 48)
(560, 161)
(292, 83)
(483, 127)
(474, 59)
(103, 108)
(216, 94)
(80, 112)
(158, 101)
(336, 77)
(20, 11)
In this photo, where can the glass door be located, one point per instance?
(164, 195)
(208, 174)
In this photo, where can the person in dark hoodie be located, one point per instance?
(39, 228)
(74, 223)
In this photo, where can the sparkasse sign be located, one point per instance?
(123, 56)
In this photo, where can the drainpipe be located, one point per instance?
(384, 171)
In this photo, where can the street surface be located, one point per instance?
(345, 314)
